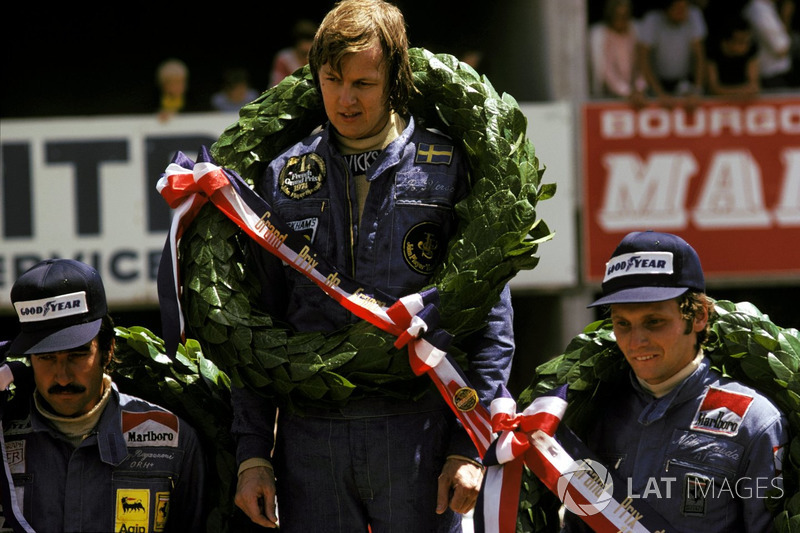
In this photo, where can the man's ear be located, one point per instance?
(700, 319)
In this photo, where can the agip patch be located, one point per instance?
(132, 512)
(302, 176)
(423, 247)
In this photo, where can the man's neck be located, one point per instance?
(660, 390)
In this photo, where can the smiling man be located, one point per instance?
(83, 456)
(704, 451)
(374, 190)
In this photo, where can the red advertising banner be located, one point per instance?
(725, 176)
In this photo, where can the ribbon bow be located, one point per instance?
(496, 510)
(417, 319)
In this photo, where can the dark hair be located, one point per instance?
(105, 340)
(354, 26)
(690, 304)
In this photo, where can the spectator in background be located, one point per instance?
(732, 61)
(235, 92)
(612, 53)
(670, 51)
(172, 78)
(292, 58)
(774, 43)
(791, 20)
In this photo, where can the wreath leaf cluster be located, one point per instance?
(498, 234)
(743, 344)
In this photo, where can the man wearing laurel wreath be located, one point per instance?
(374, 192)
(701, 450)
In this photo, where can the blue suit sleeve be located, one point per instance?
(490, 356)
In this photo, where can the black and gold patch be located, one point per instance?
(302, 176)
(465, 399)
(423, 247)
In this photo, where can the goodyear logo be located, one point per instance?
(434, 154)
(132, 514)
(52, 308)
(639, 263)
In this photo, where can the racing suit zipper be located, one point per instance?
(350, 220)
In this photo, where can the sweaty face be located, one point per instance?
(653, 338)
(70, 381)
(356, 99)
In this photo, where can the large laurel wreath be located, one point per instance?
(497, 235)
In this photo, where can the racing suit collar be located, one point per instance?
(656, 408)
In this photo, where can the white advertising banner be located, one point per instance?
(85, 188)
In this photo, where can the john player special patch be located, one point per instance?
(721, 412)
(423, 247)
(302, 176)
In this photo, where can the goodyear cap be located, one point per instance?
(648, 266)
(60, 304)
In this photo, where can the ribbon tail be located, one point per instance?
(498, 502)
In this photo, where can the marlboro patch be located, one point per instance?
(721, 412)
(151, 428)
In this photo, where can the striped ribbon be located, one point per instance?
(585, 486)
(413, 319)
(526, 438)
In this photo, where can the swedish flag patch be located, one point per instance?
(434, 154)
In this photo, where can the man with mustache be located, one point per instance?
(81, 455)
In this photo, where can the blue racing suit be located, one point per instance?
(393, 245)
(704, 456)
(141, 469)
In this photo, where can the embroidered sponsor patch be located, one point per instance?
(15, 456)
(639, 263)
(162, 511)
(721, 412)
(133, 510)
(151, 428)
(307, 227)
(359, 163)
(434, 154)
(18, 427)
(423, 247)
(705, 449)
(465, 399)
(52, 308)
(696, 491)
(302, 176)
